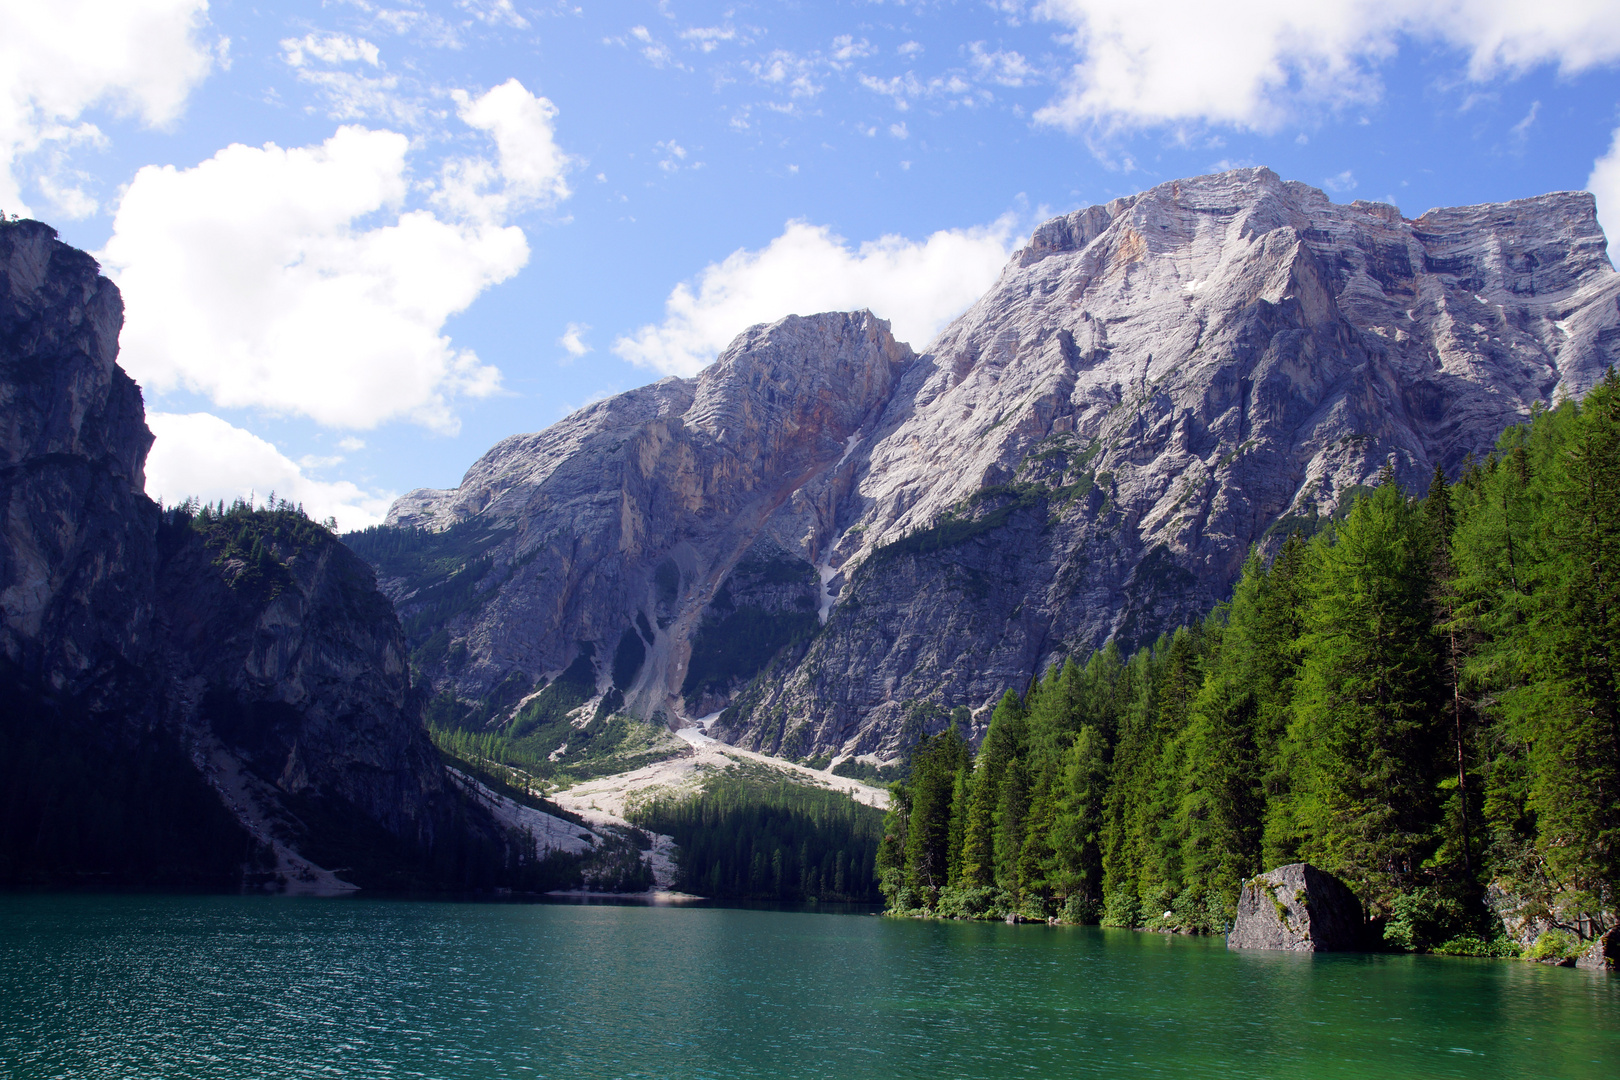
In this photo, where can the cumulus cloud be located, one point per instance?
(532, 170)
(294, 280)
(573, 340)
(1604, 184)
(58, 60)
(1256, 64)
(918, 285)
(198, 454)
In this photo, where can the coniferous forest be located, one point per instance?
(744, 838)
(1421, 699)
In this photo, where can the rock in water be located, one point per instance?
(1603, 954)
(839, 542)
(1296, 908)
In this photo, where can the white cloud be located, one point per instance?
(1004, 67)
(532, 167)
(656, 52)
(899, 130)
(1341, 182)
(61, 58)
(1604, 184)
(573, 340)
(846, 50)
(494, 13)
(1521, 130)
(918, 285)
(329, 49)
(674, 153)
(296, 282)
(910, 48)
(708, 38)
(1256, 63)
(198, 454)
(789, 71)
(905, 88)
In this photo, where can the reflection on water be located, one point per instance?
(232, 987)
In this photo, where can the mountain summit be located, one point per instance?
(834, 542)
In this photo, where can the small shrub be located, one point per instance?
(1082, 910)
(1474, 945)
(971, 902)
(1122, 909)
(1554, 946)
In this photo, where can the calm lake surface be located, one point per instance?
(135, 986)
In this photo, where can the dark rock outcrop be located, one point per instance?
(184, 702)
(1088, 453)
(1296, 908)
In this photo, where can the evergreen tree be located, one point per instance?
(935, 763)
(1367, 699)
(1002, 742)
(1077, 839)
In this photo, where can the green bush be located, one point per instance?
(1082, 910)
(971, 902)
(1474, 945)
(1554, 945)
(1122, 909)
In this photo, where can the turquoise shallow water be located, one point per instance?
(240, 987)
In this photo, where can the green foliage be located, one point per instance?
(252, 544)
(740, 644)
(1436, 919)
(745, 837)
(866, 772)
(1422, 698)
(547, 714)
(445, 574)
(547, 740)
(1554, 946)
(77, 808)
(968, 520)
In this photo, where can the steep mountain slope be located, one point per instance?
(211, 700)
(1151, 387)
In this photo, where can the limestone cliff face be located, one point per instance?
(1151, 387)
(153, 686)
(627, 517)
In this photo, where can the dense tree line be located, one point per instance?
(1421, 698)
(745, 839)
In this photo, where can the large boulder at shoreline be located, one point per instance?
(1296, 908)
(1603, 954)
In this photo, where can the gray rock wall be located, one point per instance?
(136, 641)
(1151, 387)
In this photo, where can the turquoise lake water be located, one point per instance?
(137, 986)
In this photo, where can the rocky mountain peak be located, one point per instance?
(1151, 387)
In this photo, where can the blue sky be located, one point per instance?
(362, 241)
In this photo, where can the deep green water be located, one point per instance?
(242, 987)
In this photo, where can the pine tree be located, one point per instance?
(1002, 742)
(1367, 700)
(934, 766)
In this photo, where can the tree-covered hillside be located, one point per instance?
(1422, 698)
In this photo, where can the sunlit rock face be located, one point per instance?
(1152, 387)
